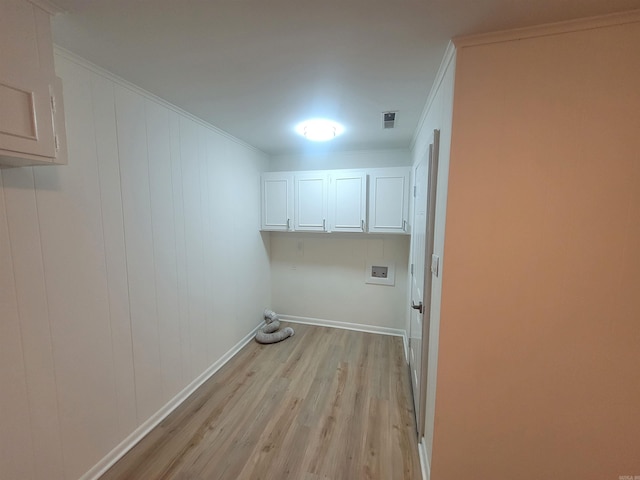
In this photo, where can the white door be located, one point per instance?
(425, 175)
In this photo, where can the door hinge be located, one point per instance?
(53, 104)
(412, 269)
(414, 191)
(57, 143)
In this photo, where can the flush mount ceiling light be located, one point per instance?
(319, 129)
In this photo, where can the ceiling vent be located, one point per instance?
(388, 120)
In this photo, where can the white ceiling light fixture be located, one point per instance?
(319, 129)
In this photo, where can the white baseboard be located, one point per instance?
(139, 433)
(358, 327)
(405, 344)
(424, 461)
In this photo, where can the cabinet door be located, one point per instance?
(388, 200)
(26, 125)
(347, 201)
(277, 201)
(31, 114)
(310, 198)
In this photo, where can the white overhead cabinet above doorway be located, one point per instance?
(365, 201)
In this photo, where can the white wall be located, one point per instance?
(328, 160)
(123, 275)
(322, 276)
(438, 115)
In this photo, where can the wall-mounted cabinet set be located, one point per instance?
(369, 201)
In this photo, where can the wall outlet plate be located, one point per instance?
(380, 272)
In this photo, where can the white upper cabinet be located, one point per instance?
(388, 200)
(277, 201)
(347, 200)
(310, 200)
(337, 201)
(31, 114)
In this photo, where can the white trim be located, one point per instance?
(72, 57)
(588, 23)
(405, 344)
(139, 433)
(424, 461)
(449, 54)
(358, 327)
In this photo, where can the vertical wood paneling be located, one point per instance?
(134, 169)
(244, 183)
(181, 249)
(194, 242)
(120, 274)
(207, 188)
(222, 291)
(16, 447)
(159, 146)
(248, 237)
(69, 214)
(26, 251)
(103, 98)
(437, 116)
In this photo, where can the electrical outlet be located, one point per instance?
(380, 272)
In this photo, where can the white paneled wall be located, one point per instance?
(123, 276)
(438, 115)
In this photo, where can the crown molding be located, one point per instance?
(448, 56)
(588, 23)
(77, 59)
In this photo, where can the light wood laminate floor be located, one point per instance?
(324, 404)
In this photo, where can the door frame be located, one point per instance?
(420, 175)
(432, 184)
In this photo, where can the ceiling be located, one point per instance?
(255, 68)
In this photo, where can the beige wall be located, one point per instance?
(540, 328)
(123, 275)
(322, 276)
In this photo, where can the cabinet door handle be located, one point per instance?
(288, 224)
(362, 223)
(324, 224)
(404, 225)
